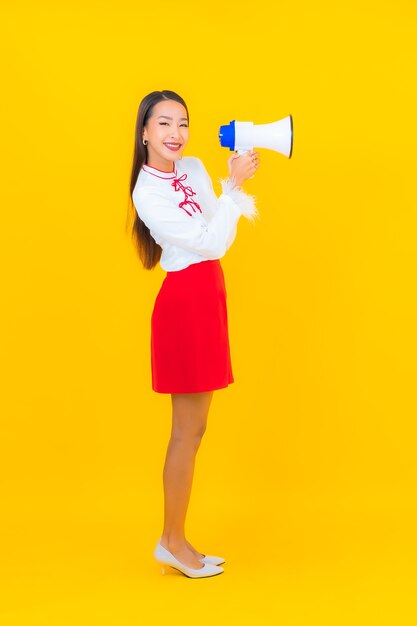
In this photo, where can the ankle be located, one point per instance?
(173, 542)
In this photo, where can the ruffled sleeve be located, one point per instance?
(245, 202)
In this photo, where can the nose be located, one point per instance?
(175, 133)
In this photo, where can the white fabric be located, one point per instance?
(186, 239)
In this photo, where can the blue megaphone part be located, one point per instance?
(227, 136)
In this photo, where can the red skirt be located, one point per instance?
(190, 350)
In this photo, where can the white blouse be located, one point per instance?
(184, 215)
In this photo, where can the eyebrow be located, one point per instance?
(170, 118)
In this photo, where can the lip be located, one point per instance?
(174, 147)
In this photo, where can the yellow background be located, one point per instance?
(306, 478)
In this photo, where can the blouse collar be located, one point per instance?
(160, 173)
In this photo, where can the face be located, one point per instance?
(167, 134)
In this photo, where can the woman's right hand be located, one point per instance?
(243, 166)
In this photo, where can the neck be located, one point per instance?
(163, 166)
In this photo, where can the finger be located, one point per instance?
(231, 159)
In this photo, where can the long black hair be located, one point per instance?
(149, 251)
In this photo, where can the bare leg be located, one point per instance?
(189, 422)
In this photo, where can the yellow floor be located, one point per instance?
(348, 559)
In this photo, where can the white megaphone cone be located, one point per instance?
(244, 136)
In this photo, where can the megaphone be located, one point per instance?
(244, 136)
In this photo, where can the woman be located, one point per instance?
(179, 221)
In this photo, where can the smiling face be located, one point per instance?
(167, 134)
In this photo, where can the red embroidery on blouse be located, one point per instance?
(177, 184)
(148, 169)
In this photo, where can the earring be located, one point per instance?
(145, 142)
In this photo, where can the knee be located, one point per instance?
(200, 434)
(188, 437)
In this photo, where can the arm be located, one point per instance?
(245, 201)
(168, 223)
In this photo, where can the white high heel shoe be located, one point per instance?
(213, 560)
(164, 556)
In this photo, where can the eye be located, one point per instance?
(162, 123)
